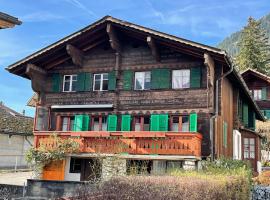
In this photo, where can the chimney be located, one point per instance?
(23, 112)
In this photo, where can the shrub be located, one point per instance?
(263, 179)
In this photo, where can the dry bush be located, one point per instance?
(169, 187)
(263, 179)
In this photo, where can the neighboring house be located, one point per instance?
(7, 21)
(259, 86)
(140, 94)
(15, 137)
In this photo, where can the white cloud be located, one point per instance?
(41, 16)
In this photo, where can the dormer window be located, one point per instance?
(101, 82)
(69, 83)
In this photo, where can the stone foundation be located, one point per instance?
(113, 166)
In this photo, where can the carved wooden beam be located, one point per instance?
(152, 44)
(76, 55)
(38, 80)
(114, 41)
(210, 64)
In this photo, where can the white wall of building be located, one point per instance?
(71, 176)
(12, 150)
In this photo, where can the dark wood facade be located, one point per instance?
(115, 47)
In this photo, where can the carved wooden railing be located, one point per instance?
(143, 142)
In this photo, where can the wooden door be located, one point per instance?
(91, 169)
(54, 171)
(249, 151)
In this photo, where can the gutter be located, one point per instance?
(216, 107)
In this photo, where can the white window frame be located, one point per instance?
(70, 82)
(181, 77)
(257, 94)
(143, 80)
(101, 81)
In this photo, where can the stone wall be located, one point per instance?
(112, 166)
(261, 192)
(10, 191)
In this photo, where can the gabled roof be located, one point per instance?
(219, 55)
(14, 123)
(255, 73)
(8, 21)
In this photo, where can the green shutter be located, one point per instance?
(225, 134)
(88, 82)
(155, 78)
(125, 124)
(112, 122)
(80, 82)
(160, 79)
(127, 79)
(251, 118)
(163, 122)
(164, 78)
(56, 82)
(193, 122)
(264, 93)
(78, 123)
(112, 81)
(195, 77)
(85, 122)
(245, 114)
(154, 123)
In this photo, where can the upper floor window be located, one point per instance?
(142, 80)
(101, 82)
(181, 79)
(67, 123)
(69, 83)
(257, 94)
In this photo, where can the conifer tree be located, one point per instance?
(254, 48)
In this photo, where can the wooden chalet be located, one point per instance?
(7, 21)
(162, 99)
(259, 86)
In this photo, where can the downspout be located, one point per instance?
(212, 119)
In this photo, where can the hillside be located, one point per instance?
(230, 44)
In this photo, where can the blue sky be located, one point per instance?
(46, 21)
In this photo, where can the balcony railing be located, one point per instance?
(133, 142)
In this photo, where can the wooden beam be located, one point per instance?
(152, 44)
(94, 45)
(75, 54)
(38, 81)
(210, 64)
(53, 64)
(114, 41)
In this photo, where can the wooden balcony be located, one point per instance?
(133, 142)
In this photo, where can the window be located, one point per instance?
(69, 84)
(75, 165)
(142, 80)
(137, 123)
(185, 123)
(67, 123)
(101, 82)
(249, 148)
(146, 124)
(99, 123)
(175, 124)
(257, 94)
(104, 124)
(181, 79)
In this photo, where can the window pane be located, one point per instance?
(97, 85)
(67, 78)
(104, 123)
(73, 86)
(71, 123)
(246, 141)
(65, 124)
(175, 127)
(138, 84)
(105, 85)
(251, 141)
(74, 77)
(105, 76)
(185, 123)
(66, 86)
